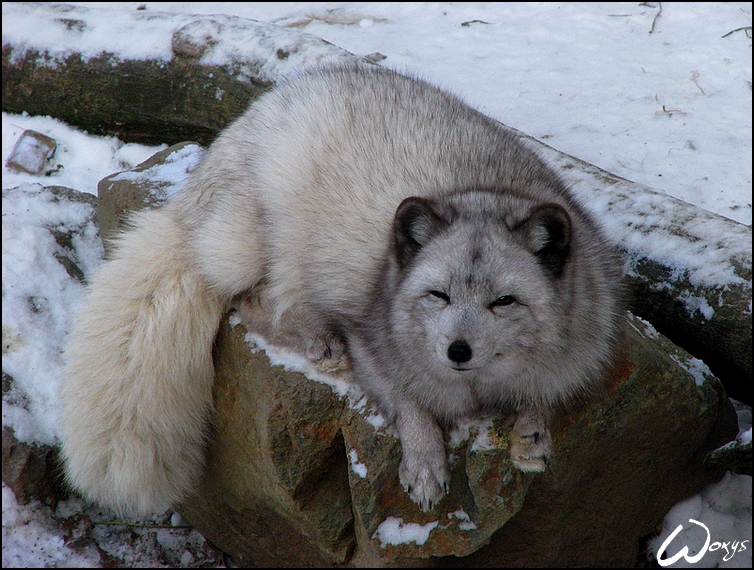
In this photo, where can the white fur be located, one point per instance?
(138, 384)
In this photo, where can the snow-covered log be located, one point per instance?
(185, 77)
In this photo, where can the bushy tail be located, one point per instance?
(137, 389)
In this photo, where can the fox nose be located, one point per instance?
(459, 351)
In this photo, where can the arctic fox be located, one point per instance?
(377, 215)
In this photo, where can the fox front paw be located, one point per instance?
(426, 481)
(531, 447)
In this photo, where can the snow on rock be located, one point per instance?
(394, 531)
(165, 178)
(33, 539)
(359, 468)
(723, 542)
(263, 51)
(46, 232)
(649, 224)
(31, 152)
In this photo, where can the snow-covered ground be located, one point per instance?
(657, 93)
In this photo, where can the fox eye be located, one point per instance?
(440, 295)
(503, 301)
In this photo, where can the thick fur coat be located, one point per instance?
(374, 214)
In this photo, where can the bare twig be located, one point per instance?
(671, 112)
(694, 77)
(659, 13)
(747, 29)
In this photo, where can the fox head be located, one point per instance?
(478, 281)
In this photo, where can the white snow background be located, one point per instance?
(661, 100)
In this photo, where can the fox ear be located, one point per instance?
(547, 233)
(415, 224)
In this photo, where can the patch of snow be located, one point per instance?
(465, 521)
(714, 527)
(171, 174)
(697, 368)
(39, 299)
(359, 468)
(394, 532)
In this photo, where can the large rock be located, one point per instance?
(294, 457)
(319, 462)
(302, 472)
(275, 492)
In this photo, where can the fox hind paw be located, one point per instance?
(328, 353)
